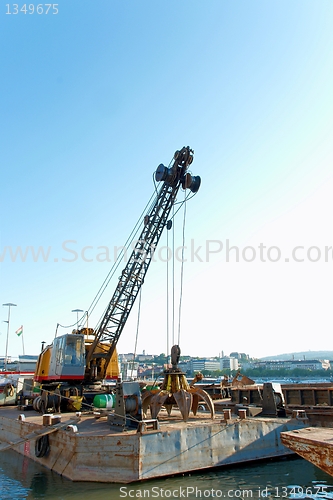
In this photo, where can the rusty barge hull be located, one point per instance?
(314, 444)
(97, 453)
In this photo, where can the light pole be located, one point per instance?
(9, 305)
(77, 311)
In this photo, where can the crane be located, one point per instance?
(132, 276)
(89, 362)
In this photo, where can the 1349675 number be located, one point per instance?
(298, 492)
(31, 8)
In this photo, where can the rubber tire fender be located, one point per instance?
(42, 446)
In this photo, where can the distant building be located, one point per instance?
(228, 363)
(185, 367)
(129, 370)
(239, 355)
(311, 364)
(145, 357)
(291, 364)
(139, 357)
(201, 364)
(128, 356)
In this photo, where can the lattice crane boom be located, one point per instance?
(132, 276)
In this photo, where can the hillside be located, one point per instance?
(301, 355)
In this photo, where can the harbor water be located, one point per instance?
(294, 478)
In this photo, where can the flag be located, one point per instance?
(19, 331)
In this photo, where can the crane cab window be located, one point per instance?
(73, 350)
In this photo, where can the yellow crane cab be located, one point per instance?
(64, 360)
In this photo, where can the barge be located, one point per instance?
(316, 399)
(87, 448)
(314, 444)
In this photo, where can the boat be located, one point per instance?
(16, 387)
(94, 446)
(314, 444)
(316, 399)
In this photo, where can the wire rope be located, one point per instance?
(173, 280)
(181, 274)
(167, 298)
(137, 332)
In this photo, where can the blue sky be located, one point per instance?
(95, 97)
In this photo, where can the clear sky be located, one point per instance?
(95, 94)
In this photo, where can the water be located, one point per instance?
(292, 478)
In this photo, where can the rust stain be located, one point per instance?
(314, 445)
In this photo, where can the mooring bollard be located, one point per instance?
(227, 414)
(47, 419)
(56, 419)
(242, 414)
